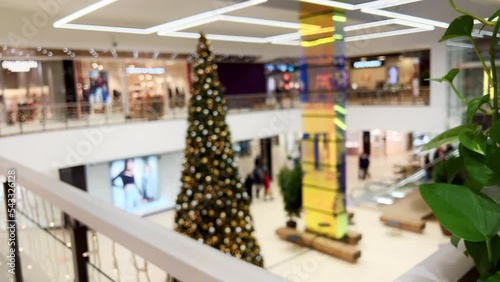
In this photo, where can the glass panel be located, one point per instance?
(114, 261)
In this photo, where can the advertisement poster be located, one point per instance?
(135, 184)
(98, 87)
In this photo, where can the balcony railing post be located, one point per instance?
(13, 257)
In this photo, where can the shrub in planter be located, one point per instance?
(290, 182)
(461, 199)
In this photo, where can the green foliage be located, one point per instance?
(290, 182)
(466, 213)
(460, 27)
(449, 136)
(462, 197)
(474, 106)
(449, 77)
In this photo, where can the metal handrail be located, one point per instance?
(418, 174)
(178, 255)
(14, 120)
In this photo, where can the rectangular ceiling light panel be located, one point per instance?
(183, 23)
(383, 34)
(83, 12)
(405, 17)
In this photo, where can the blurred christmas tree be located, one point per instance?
(213, 207)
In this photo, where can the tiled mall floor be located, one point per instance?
(385, 254)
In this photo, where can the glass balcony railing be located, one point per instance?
(24, 118)
(55, 232)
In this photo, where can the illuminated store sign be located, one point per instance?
(19, 66)
(368, 64)
(145, 70)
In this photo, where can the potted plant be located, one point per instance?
(290, 182)
(466, 208)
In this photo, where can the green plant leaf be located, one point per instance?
(455, 240)
(449, 136)
(493, 278)
(477, 167)
(449, 77)
(474, 105)
(492, 157)
(465, 213)
(496, 14)
(473, 141)
(494, 132)
(479, 253)
(459, 27)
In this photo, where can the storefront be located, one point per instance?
(54, 88)
(379, 143)
(390, 78)
(282, 78)
(28, 85)
(145, 89)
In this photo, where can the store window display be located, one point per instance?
(146, 82)
(177, 84)
(391, 78)
(98, 86)
(23, 91)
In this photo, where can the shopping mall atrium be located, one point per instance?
(249, 140)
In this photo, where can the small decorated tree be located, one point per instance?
(212, 206)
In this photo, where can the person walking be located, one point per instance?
(428, 168)
(257, 180)
(249, 186)
(267, 187)
(438, 154)
(364, 165)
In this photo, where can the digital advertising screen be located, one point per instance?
(135, 184)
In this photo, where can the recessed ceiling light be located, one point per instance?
(388, 22)
(5, 48)
(381, 4)
(383, 34)
(460, 44)
(339, 18)
(335, 4)
(174, 25)
(219, 37)
(83, 12)
(405, 17)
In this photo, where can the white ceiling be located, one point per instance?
(16, 16)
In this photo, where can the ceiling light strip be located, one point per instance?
(177, 25)
(415, 24)
(104, 28)
(218, 37)
(382, 4)
(274, 23)
(369, 25)
(83, 12)
(383, 34)
(335, 4)
(405, 17)
(187, 25)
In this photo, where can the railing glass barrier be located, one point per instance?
(63, 234)
(35, 118)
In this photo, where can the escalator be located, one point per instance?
(384, 193)
(400, 203)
